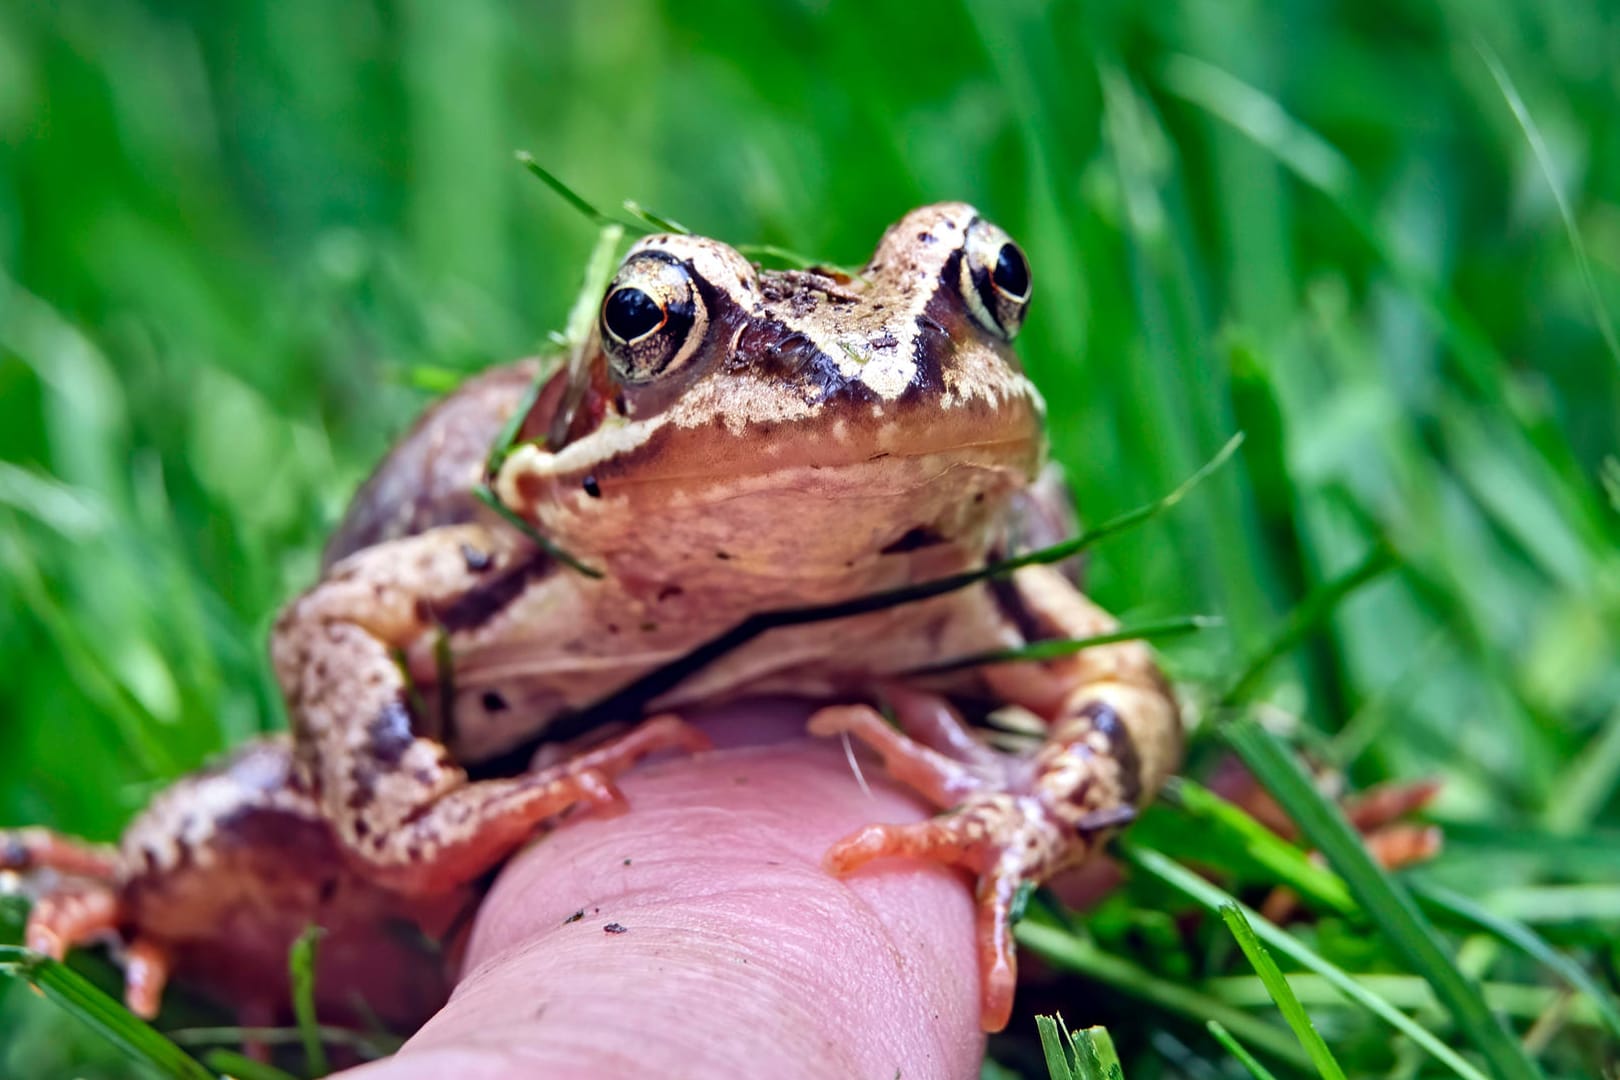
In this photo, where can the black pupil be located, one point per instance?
(1012, 272)
(630, 313)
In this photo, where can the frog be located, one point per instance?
(727, 441)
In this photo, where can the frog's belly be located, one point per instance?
(507, 695)
(846, 656)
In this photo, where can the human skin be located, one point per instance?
(735, 952)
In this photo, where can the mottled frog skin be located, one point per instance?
(729, 441)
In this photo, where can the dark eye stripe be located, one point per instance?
(986, 290)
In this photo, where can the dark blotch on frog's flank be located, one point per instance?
(1010, 600)
(389, 734)
(1106, 722)
(914, 539)
(479, 604)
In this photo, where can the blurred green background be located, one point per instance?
(242, 243)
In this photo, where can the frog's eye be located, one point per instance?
(995, 279)
(652, 317)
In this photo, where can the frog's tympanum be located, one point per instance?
(732, 441)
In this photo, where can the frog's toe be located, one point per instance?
(71, 916)
(1005, 841)
(595, 791)
(146, 972)
(938, 777)
(25, 851)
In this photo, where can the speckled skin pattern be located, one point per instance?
(729, 441)
(217, 877)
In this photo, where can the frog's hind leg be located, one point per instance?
(82, 902)
(1113, 735)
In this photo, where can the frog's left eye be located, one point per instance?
(995, 279)
(652, 317)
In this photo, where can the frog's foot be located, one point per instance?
(1375, 814)
(76, 901)
(437, 845)
(73, 886)
(1016, 819)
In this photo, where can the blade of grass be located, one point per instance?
(1410, 993)
(1387, 905)
(1213, 898)
(1276, 985)
(1592, 853)
(1538, 147)
(598, 272)
(301, 966)
(1305, 618)
(241, 1067)
(576, 332)
(790, 259)
(1079, 954)
(1239, 1051)
(1561, 904)
(1526, 941)
(1051, 650)
(138, 1040)
(1055, 1047)
(1095, 1054)
(1252, 113)
(573, 198)
(1588, 782)
(134, 726)
(484, 494)
(361, 1042)
(1281, 861)
(658, 222)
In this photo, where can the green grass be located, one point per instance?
(241, 243)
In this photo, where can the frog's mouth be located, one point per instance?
(664, 459)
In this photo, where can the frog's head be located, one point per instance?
(803, 417)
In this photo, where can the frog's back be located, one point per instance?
(428, 479)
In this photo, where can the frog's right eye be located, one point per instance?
(995, 279)
(652, 317)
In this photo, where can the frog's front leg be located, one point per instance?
(399, 804)
(1113, 736)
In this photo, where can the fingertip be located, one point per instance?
(737, 944)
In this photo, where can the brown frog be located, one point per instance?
(732, 441)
